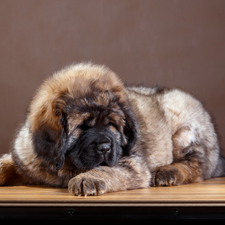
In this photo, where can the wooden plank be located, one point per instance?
(208, 193)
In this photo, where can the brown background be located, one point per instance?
(168, 42)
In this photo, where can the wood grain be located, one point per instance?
(208, 193)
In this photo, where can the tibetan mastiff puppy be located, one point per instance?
(86, 131)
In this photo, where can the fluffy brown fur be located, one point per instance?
(84, 130)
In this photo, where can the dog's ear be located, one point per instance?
(50, 134)
(130, 131)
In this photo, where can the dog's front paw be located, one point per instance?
(87, 184)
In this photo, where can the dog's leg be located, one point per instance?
(183, 172)
(8, 174)
(193, 160)
(130, 173)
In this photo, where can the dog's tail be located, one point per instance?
(220, 168)
(8, 173)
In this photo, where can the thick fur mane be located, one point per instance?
(78, 82)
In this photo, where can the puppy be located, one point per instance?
(86, 131)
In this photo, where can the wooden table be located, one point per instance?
(205, 200)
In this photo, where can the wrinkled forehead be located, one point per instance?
(96, 116)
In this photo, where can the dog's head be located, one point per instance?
(82, 113)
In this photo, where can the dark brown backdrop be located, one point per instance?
(168, 42)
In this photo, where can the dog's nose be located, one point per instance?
(104, 147)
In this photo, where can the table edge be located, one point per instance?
(113, 204)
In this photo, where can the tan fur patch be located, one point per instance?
(75, 82)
